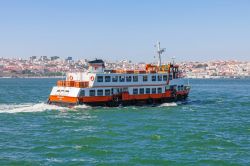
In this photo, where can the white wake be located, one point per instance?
(173, 104)
(34, 107)
(81, 106)
(39, 107)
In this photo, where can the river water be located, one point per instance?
(211, 128)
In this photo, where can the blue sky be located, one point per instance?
(115, 29)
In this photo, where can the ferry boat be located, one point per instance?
(100, 87)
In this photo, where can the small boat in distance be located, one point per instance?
(99, 87)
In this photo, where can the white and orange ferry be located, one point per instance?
(100, 87)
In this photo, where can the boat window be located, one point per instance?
(145, 78)
(135, 91)
(141, 90)
(99, 78)
(147, 90)
(82, 93)
(114, 78)
(58, 90)
(128, 78)
(159, 90)
(107, 92)
(159, 77)
(165, 77)
(153, 90)
(154, 78)
(167, 87)
(121, 78)
(107, 78)
(100, 92)
(170, 77)
(67, 91)
(135, 78)
(91, 92)
(124, 89)
(178, 87)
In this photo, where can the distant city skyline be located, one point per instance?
(115, 30)
(55, 66)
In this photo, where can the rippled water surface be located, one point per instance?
(211, 128)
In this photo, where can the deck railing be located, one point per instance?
(78, 84)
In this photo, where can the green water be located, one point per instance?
(211, 128)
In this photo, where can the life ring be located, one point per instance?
(71, 78)
(92, 78)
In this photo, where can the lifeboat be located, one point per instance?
(100, 87)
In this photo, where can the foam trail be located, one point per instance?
(168, 104)
(81, 106)
(28, 107)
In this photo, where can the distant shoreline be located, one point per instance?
(60, 77)
(33, 77)
(222, 78)
(215, 78)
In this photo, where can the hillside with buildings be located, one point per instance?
(57, 67)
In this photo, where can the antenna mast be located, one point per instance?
(159, 52)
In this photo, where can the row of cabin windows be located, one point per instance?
(146, 90)
(132, 78)
(117, 78)
(98, 92)
(107, 92)
(180, 87)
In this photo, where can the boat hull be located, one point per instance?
(116, 103)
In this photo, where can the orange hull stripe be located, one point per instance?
(95, 99)
(182, 92)
(143, 96)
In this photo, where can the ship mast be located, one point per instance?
(159, 52)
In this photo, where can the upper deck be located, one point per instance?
(98, 76)
(124, 78)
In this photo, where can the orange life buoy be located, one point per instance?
(92, 78)
(70, 77)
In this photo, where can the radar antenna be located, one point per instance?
(159, 52)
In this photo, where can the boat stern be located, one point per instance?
(64, 95)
